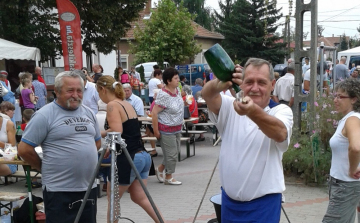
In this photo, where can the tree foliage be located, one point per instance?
(221, 18)
(320, 30)
(343, 43)
(197, 7)
(35, 23)
(249, 28)
(30, 23)
(168, 36)
(354, 42)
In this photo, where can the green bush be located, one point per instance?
(116, 74)
(309, 153)
(142, 74)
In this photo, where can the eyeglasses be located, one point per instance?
(340, 96)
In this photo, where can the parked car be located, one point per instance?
(279, 68)
(148, 69)
(197, 71)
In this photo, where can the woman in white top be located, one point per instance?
(155, 83)
(344, 183)
(7, 135)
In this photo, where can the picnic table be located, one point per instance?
(27, 169)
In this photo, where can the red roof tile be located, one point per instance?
(201, 32)
(328, 41)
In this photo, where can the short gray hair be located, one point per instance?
(257, 62)
(198, 81)
(59, 79)
(291, 67)
(187, 89)
(126, 85)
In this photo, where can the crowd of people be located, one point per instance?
(71, 128)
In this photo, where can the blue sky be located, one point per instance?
(337, 17)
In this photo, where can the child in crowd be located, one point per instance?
(27, 94)
(26, 118)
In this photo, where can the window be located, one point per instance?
(355, 60)
(125, 61)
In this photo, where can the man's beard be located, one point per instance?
(71, 100)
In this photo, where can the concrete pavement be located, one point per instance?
(178, 204)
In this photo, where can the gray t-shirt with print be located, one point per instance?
(68, 142)
(341, 72)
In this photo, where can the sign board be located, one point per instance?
(181, 67)
(50, 74)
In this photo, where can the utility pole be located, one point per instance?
(300, 53)
(287, 38)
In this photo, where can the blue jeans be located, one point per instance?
(142, 162)
(12, 167)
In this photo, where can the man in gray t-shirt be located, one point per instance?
(69, 135)
(341, 70)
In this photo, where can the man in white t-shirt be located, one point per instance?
(306, 82)
(155, 83)
(255, 133)
(284, 87)
(306, 66)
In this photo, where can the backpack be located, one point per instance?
(21, 215)
(125, 78)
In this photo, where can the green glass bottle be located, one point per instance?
(221, 64)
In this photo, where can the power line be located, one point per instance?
(341, 13)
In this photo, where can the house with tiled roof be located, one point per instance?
(204, 38)
(333, 41)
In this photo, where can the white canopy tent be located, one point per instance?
(14, 51)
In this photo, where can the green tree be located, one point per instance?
(354, 42)
(250, 30)
(320, 30)
(220, 19)
(343, 43)
(28, 22)
(197, 7)
(168, 36)
(35, 22)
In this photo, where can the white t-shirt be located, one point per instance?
(227, 92)
(340, 151)
(284, 87)
(307, 77)
(250, 162)
(153, 84)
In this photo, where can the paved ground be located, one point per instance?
(180, 203)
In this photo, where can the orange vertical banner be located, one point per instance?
(70, 32)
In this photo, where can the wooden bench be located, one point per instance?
(21, 174)
(11, 197)
(213, 129)
(186, 139)
(194, 131)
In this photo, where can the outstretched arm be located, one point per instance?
(211, 91)
(271, 126)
